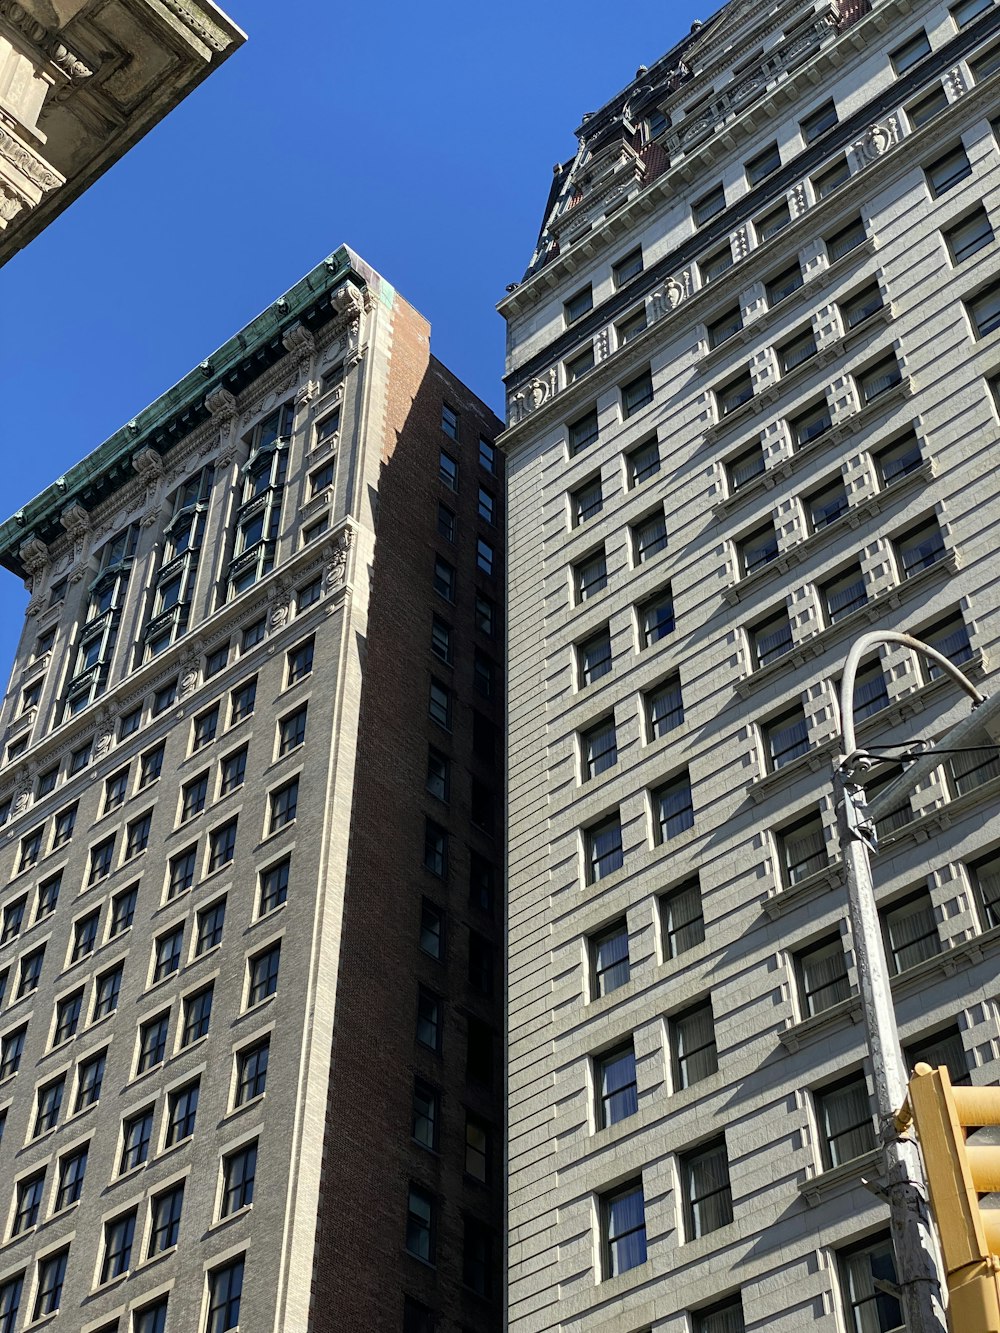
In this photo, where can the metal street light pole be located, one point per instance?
(921, 1280)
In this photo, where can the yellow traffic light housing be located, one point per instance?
(958, 1171)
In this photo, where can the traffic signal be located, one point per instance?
(960, 1168)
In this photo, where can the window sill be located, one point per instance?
(146, 1264)
(942, 816)
(815, 1189)
(816, 758)
(223, 1223)
(786, 899)
(816, 1028)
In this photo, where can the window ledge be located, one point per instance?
(816, 1028)
(941, 817)
(145, 1264)
(812, 886)
(223, 1223)
(817, 757)
(815, 1189)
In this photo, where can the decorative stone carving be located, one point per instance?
(149, 465)
(11, 204)
(76, 520)
(670, 295)
(336, 558)
(878, 139)
(536, 392)
(221, 404)
(741, 243)
(33, 167)
(299, 341)
(956, 84)
(34, 555)
(602, 344)
(105, 736)
(797, 199)
(280, 597)
(22, 792)
(305, 393)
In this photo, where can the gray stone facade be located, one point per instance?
(729, 454)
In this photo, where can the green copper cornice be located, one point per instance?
(237, 363)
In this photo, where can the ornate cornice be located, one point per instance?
(30, 164)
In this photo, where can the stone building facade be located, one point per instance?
(81, 81)
(249, 1030)
(753, 374)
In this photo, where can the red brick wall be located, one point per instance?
(362, 1269)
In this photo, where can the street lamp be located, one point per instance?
(918, 1267)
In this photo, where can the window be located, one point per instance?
(232, 770)
(439, 704)
(797, 351)
(51, 1275)
(803, 849)
(193, 797)
(165, 1221)
(725, 327)
(251, 1072)
(300, 662)
(420, 1225)
(445, 523)
(486, 506)
(971, 769)
(773, 222)
(10, 1302)
(216, 661)
(151, 1318)
(444, 581)
(13, 918)
(11, 1050)
(587, 501)
(985, 876)
(598, 748)
(322, 478)
(150, 766)
(630, 328)
(826, 505)
(182, 868)
(29, 1201)
(308, 595)
(910, 931)
(477, 1257)
(115, 790)
(871, 693)
(950, 637)
(898, 459)
(673, 810)
(919, 113)
(253, 634)
(692, 1045)
(643, 462)
(182, 1107)
(30, 973)
(733, 395)
(484, 556)
(263, 975)
(623, 1228)
(578, 305)
(786, 737)
(487, 455)
(604, 853)
(681, 918)
(842, 242)
(982, 67)
(47, 782)
(482, 892)
(764, 164)
(725, 1317)
(579, 365)
(609, 959)
(708, 206)
(628, 268)
(590, 576)
(822, 975)
(844, 1113)
(89, 1081)
(435, 848)
(984, 311)
(781, 286)
(810, 425)
(167, 954)
(615, 1083)
(485, 614)
(944, 1047)
(583, 432)
(243, 701)
(222, 846)
(483, 675)
(870, 1308)
(708, 1200)
(205, 727)
(636, 394)
(477, 1148)
(48, 897)
(425, 1114)
(153, 1042)
(970, 235)
(101, 860)
(757, 549)
(284, 805)
(72, 1170)
(84, 936)
(875, 784)
(31, 850)
(197, 1016)
(714, 265)
(656, 618)
(770, 639)
(910, 52)
(239, 1170)
(48, 1105)
(225, 1290)
(825, 182)
(164, 698)
(429, 1019)
(919, 548)
(843, 594)
(136, 1134)
(211, 921)
(274, 886)
(818, 122)
(966, 10)
(118, 1237)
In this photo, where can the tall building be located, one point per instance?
(81, 81)
(753, 379)
(249, 1027)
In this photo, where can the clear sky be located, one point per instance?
(423, 136)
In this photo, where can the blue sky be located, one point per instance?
(422, 136)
